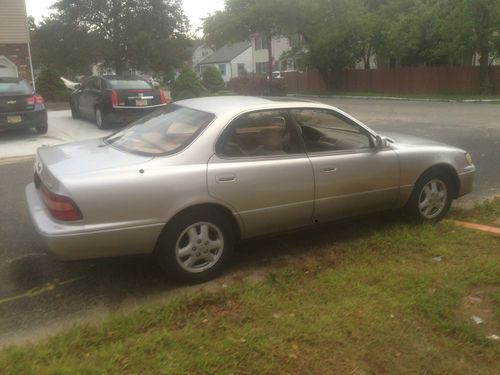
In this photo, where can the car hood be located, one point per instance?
(84, 157)
(411, 140)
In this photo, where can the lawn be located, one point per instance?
(397, 300)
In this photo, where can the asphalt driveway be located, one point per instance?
(39, 296)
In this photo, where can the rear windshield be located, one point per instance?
(15, 87)
(162, 132)
(128, 84)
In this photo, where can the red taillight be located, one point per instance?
(60, 207)
(114, 98)
(163, 99)
(36, 99)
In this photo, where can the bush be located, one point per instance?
(257, 85)
(212, 79)
(188, 85)
(50, 86)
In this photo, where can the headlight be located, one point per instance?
(468, 158)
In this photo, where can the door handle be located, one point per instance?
(328, 169)
(225, 178)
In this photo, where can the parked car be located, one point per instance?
(21, 106)
(188, 182)
(115, 100)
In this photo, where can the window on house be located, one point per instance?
(241, 69)
(222, 69)
(204, 54)
(260, 42)
(261, 67)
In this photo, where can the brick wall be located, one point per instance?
(19, 55)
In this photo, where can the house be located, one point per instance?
(231, 60)
(200, 53)
(15, 55)
(279, 45)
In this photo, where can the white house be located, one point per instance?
(231, 60)
(200, 53)
(15, 56)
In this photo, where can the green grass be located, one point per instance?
(379, 304)
(484, 213)
(454, 97)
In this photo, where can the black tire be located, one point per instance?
(42, 129)
(419, 195)
(75, 112)
(100, 119)
(174, 233)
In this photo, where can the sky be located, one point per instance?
(195, 10)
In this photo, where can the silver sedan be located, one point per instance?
(188, 182)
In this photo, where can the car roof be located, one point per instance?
(234, 104)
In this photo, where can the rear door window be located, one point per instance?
(15, 87)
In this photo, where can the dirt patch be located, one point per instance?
(478, 308)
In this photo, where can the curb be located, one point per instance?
(396, 98)
(16, 159)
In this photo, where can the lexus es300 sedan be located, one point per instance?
(189, 181)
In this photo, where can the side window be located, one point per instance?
(324, 130)
(92, 84)
(265, 133)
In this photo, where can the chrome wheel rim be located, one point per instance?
(98, 117)
(199, 247)
(432, 199)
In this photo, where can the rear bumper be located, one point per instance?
(74, 242)
(126, 115)
(466, 181)
(29, 119)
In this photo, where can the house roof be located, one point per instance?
(227, 53)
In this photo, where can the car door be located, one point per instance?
(352, 176)
(261, 170)
(86, 99)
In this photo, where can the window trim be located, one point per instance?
(290, 123)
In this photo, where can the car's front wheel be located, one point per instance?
(196, 246)
(75, 112)
(100, 119)
(431, 199)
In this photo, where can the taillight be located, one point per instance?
(60, 207)
(36, 99)
(163, 99)
(114, 98)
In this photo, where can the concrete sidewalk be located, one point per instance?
(62, 129)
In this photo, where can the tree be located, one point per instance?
(212, 79)
(187, 86)
(142, 34)
(65, 48)
(50, 85)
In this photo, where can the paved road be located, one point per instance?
(39, 296)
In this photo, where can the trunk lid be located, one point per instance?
(15, 103)
(138, 97)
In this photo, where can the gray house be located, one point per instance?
(232, 60)
(15, 56)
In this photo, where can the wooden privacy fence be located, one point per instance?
(438, 80)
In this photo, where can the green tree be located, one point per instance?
(141, 34)
(212, 79)
(50, 85)
(187, 86)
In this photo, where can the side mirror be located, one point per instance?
(380, 142)
(78, 86)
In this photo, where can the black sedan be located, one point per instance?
(115, 100)
(20, 106)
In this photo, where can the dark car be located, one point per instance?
(20, 106)
(115, 100)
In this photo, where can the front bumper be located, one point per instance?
(466, 181)
(75, 241)
(29, 119)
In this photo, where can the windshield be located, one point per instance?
(162, 132)
(15, 87)
(128, 84)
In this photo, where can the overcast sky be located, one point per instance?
(195, 10)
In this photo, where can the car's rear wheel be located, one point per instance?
(42, 129)
(100, 119)
(431, 199)
(196, 246)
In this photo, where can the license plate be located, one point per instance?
(14, 119)
(141, 102)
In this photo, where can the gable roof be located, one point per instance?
(227, 53)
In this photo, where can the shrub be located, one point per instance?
(50, 86)
(257, 85)
(188, 85)
(212, 79)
